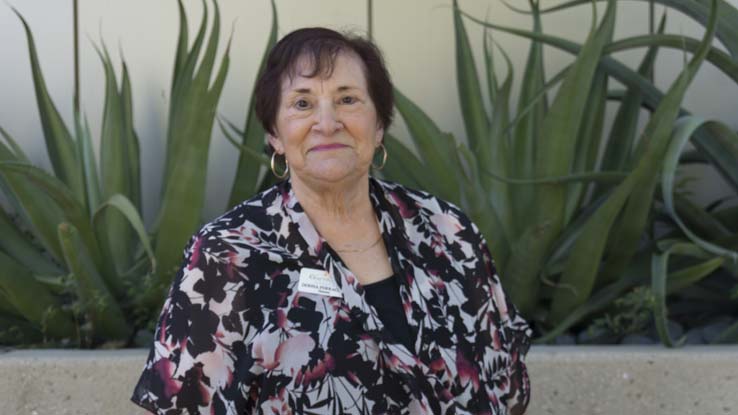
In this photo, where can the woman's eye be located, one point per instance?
(348, 100)
(301, 104)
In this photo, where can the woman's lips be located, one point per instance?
(328, 147)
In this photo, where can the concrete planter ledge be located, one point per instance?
(567, 380)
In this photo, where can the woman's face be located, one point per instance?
(327, 127)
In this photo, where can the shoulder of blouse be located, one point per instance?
(437, 211)
(233, 231)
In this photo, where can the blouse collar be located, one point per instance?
(322, 255)
(388, 215)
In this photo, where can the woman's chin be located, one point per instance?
(332, 173)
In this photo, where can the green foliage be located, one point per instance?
(630, 314)
(247, 179)
(569, 230)
(77, 264)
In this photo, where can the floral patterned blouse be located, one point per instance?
(239, 335)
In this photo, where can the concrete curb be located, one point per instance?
(567, 380)
(614, 380)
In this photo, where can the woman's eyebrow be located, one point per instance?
(346, 88)
(341, 88)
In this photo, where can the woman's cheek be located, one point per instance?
(293, 115)
(359, 111)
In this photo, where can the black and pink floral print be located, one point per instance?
(236, 336)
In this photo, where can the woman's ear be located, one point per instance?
(379, 136)
(276, 144)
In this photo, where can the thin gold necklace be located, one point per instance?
(362, 249)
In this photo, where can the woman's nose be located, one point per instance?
(327, 122)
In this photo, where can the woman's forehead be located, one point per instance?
(346, 70)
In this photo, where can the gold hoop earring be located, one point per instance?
(384, 157)
(274, 170)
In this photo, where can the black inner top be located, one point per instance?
(384, 295)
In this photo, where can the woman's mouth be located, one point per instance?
(328, 147)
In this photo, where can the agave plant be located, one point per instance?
(250, 177)
(76, 262)
(568, 230)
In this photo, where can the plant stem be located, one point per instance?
(76, 55)
(370, 19)
(651, 28)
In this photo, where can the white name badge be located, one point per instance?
(318, 281)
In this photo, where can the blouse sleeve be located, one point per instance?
(200, 362)
(516, 331)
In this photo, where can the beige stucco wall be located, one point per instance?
(416, 36)
(565, 380)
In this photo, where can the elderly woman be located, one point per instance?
(333, 291)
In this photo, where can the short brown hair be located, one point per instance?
(321, 46)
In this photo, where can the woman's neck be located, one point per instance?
(333, 207)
